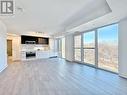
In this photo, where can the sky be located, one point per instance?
(105, 34)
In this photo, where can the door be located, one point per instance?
(9, 47)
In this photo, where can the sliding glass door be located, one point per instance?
(77, 48)
(89, 47)
(108, 47)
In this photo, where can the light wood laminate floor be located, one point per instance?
(58, 77)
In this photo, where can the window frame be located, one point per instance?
(96, 47)
(77, 48)
(90, 48)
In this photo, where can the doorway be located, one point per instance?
(9, 50)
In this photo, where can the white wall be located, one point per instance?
(69, 47)
(16, 46)
(3, 47)
(123, 48)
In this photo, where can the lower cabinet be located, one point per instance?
(42, 54)
(46, 54)
(39, 55)
(23, 55)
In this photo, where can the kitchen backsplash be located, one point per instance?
(25, 47)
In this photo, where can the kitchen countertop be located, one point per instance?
(35, 50)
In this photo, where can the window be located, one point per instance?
(105, 41)
(63, 47)
(77, 48)
(108, 47)
(89, 47)
(60, 47)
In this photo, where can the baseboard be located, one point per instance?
(123, 76)
(68, 60)
(3, 68)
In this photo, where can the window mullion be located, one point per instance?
(96, 48)
(82, 51)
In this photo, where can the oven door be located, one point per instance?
(30, 54)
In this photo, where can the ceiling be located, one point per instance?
(57, 16)
(118, 13)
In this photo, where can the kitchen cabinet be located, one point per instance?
(39, 54)
(34, 40)
(42, 54)
(28, 40)
(43, 41)
(23, 55)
